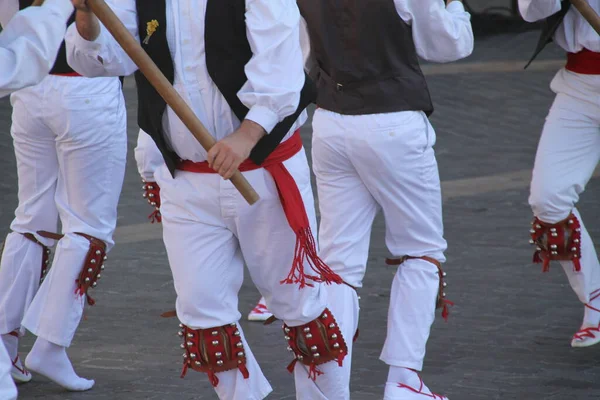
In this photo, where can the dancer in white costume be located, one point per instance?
(372, 151)
(238, 64)
(148, 159)
(28, 46)
(567, 154)
(69, 134)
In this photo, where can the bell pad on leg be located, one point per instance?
(92, 267)
(213, 350)
(560, 241)
(316, 342)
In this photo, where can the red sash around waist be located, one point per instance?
(293, 207)
(584, 62)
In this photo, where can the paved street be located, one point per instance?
(508, 335)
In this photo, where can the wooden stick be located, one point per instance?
(162, 85)
(37, 3)
(588, 13)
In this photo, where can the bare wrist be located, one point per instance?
(253, 130)
(87, 25)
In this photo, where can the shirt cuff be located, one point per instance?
(86, 46)
(63, 8)
(264, 117)
(456, 7)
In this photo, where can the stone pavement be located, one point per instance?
(508, 335)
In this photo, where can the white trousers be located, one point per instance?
(8, 390)
(210, 232)
(567, 154)
(383, 162)
(70, 142)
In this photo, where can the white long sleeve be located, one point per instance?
(275, 73)
(574, 34)
(29, 44)
(104, 56)
(535, 10)
(441, 34)
(147, 157)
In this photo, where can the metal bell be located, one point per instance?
(336, 345)
(218, 354)
(325, 316)
(190, 335)
(313, 348)
(316, 355)
(236, 333)
(306, 330)
(286, 337)
(334, 336)
(193, 355)
(289, 348)
(239, 345)
(332, 325)
(90, 270)
(215, 342)
(214, 333)
(92, 261)
(220, 363)
(240, 354)
(309, 335)
(180, 334)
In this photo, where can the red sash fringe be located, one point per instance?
(293, 207)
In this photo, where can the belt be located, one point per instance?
(584, 62)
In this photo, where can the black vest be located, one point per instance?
(227, 53)
(549, 28)
(60, 65)
(366, 56)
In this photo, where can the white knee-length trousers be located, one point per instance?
(70, 143)
(386, 162)
(210, 232)
(567, 154)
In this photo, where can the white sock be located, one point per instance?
(12, 347)
(591, 318)
(408, 377)
(51, 361)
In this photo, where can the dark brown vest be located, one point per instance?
(227, 53)
(366, 56)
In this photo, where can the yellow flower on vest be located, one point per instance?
(150, 29)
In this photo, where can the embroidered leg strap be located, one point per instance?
(441, 301)
(93, 264)
(315, 343)
(213, 350)
(152, 194)
(560, 241)
(45, 256)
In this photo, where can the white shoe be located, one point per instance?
(19, 373)
(260, 312)
(586, 337)
(399, 391)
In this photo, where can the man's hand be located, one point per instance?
(227, 154)
(85, 20)
(80, 5)
(450, 1)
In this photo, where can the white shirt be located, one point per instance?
(30, 41)
(574, 34)
(441, 34)
(275, 75)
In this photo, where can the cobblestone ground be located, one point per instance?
(508, 335)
